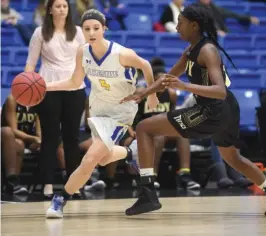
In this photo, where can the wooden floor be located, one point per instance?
(206, 216)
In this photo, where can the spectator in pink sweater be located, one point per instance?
(56, 42)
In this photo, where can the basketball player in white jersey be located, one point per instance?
(111, 70)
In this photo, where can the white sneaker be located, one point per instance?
(156, 185)
(98, 185)
(56, 208)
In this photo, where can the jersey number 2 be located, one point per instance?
(104, 84)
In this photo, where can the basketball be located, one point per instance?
(28, 88)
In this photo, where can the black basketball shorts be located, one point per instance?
(219, 123)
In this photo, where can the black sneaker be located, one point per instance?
(14, 189)
(185, 180)
(147, 201)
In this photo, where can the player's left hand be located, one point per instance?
(152, 101)
(170, 81)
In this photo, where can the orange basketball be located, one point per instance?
(28, 88)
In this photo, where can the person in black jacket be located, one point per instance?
(220, 14)
(169, 18)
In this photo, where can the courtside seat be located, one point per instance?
(170, 57)
(118, 36)
(140, 40)
(260, 41)
(10, 37)
(170, 40)
(138, 22)
(248, 100)
(239, 41)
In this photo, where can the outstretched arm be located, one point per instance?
(77, 78)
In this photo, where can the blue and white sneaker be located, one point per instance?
(56, 208)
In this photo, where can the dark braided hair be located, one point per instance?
(202, 15)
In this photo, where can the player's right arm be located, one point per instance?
(77, 77)
(177, 70)
(35, 48)
(11, 118)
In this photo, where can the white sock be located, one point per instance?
(48, 189)
(134, 148)
(146, 172)
(263, 185)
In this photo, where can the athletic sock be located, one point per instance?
(183, 170)
(66, 195)
(147, 177)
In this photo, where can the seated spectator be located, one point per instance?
(24, 123)
(221, 14)
(81, 7)
(169, 18)
(115, 11)
(39, 13)
(9, 16)
(12, 153)
(20, 130)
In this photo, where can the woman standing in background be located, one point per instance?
(57, 41)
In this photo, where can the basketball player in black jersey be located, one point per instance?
(167, 102)
(24, 122)
(19, 127)
(215, 114)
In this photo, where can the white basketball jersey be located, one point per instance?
(110, 83)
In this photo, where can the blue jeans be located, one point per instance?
(215, 153)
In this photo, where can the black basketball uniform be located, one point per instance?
(26, 119)
(215, 118)
(165, 105)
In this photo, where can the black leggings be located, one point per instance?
(60, 109)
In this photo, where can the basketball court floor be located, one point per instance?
(184, 216)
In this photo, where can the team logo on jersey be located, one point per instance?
(88, 61)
